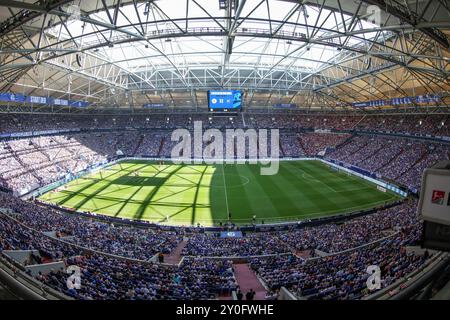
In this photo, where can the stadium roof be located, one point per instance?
(320, 53)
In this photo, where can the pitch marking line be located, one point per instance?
(301, 217)
(247, 181)
(314, 179)
(356, 189)
(225, 189)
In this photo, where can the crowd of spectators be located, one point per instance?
(331, 238)
(29, 163)
(412, 124)
(252, 244)
(136, 243)
(14, 236)
(399, 159)
(290, 146)
(436, 124)
(433, 153)
(26, 164)
(143, 243)
(378, 238)
(342, 276)
(314, 143)
(328, 238)
(105, 277)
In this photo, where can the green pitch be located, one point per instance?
(191, 194)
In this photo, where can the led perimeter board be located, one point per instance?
(224, 100)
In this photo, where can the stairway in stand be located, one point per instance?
(246, 279)
(161, 145)
(282, 150)
(138, 144)
(174, 257)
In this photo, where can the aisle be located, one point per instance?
(174, 257)
(247, 280)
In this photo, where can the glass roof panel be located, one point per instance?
(251, 50)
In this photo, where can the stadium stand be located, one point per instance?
(37, 161)
(96, 97)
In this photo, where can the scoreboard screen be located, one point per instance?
(224, 100)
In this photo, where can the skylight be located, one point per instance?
(253, 46)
